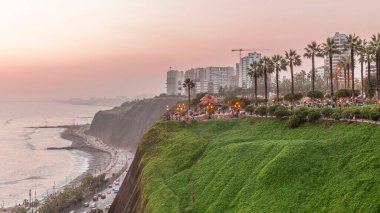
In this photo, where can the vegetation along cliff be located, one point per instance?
(123, 126)
(247, 165)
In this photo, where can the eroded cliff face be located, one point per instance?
(125, 125)
(128, 199)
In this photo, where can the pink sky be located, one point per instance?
(96, 48)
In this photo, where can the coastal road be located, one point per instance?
(121, 159)
(101, 203)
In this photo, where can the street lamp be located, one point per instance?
(210, 109)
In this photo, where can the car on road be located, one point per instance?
(110, 186)
(95, 198)
(72, 211)
(115, 189)
(92, 205)
(103, 196)
(107, 207)
(99, 194)
(86, 204)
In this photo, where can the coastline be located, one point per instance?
(100, 159)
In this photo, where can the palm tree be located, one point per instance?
(313, 50)
(362, 60)
(292, 59)
(344, 63)
(366, 54)
(265, 68)
(254, 74)
(375, 46)
(352, 43)
(329, 48)
(189, 84)
(279, 63)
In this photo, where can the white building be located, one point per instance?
(174, 81)
(243, 80)
(210, 79)
(339, 40)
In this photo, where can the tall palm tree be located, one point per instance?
(344, 63)
(362, 60)
(279, 63)
(265, 67)
(189, 84)
(366, 55)
(254, 73)
(292, 59)
(352, 43)
(313, 50)
(329, 48)
(375, 46)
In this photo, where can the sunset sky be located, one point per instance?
(95, 48)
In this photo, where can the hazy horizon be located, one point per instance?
(64, 49)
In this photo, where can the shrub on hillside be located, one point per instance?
(375, 116)
(262, 111)
(336, 116)
(356, 113)
(272, 109)
(366, 112)
(346, 93)
(290, 97)
(293, 122)
(316, 94)
(313, 116)
(302, 113)
(281, 112)
(327, 112)
(347, 113)
(250, 109)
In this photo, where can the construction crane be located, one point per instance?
(242, 50)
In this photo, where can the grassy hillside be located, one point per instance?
(260, 166)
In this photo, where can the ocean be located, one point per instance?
(25, 163)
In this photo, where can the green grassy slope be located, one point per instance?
(260, 166)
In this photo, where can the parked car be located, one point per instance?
(110, 186)
(99, 194)
(95, 198)
(103, 196)
(86, 204)
(109, 191)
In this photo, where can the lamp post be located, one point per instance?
(210, 108)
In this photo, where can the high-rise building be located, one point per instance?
(174, 80)
(243, 80)
(210, 79)
(339, 39)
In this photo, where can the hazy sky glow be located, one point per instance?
(60, 48)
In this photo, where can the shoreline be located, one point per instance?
(103, 158)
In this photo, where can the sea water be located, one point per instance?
(25, 162)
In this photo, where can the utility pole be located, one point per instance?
(30, 198)
(35, 199)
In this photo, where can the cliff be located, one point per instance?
(248, 165)
(123, 126)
